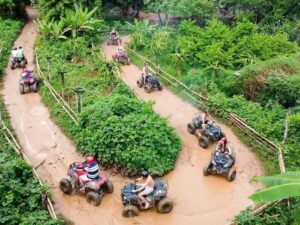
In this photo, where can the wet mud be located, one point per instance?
(197, 199)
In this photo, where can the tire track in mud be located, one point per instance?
(211, 200)
(198, 199)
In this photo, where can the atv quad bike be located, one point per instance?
(149, 82)
(132, 203)
(94, 189)
(221, 164)
(121, 58)
(28, 83)
(18, 63)
(114, 40)
(211, 133)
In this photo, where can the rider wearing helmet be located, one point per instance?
(120, 50)
(92, 170)
(25, 73)
(148, 187)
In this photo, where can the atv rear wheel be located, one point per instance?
(66, 186)
(94, 198)
(34, 87)
(109, 187)
(147, 88)
(191, 128)
(160, 87)
(22, 64)
(165, 205)
(231, 175)
(12, 66)
(139, 83)
(22, 89)
(203, 142)
(130, 211)
(205, 170)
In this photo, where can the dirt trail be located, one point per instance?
(210, 200)
(198, 199)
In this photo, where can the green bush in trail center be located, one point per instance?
(126, 132)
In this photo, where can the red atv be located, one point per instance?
(114, 40)
(121, 58)
(94, 189)
(28, 82)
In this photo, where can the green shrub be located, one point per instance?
(126, 132)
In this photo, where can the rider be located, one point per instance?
(14, 53)
(222, 146)
(25, 73)
(92, 169)
(205, 117)
(20, 53)
(114, 33)
(120, 50)
(148, 187)
(145, 71)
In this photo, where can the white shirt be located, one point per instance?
(14, 53)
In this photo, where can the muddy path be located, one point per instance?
(198, 200)
(209, 200)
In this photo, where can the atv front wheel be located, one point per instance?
(130, 211)
(165, 205)
(22, 89)
(147, 88)
(66, 186)
(203, 142)
(205, 170)
(109, 187)
(12, 66)
(231, 175)
(191, 128)
(93, 197)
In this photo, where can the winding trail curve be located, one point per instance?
(198, 200)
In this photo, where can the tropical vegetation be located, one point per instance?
(21, 193)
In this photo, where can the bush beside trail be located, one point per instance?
(21, 193)
(126, 132)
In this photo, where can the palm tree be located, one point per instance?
(79, 20)
(177, 58)
(140, 32)
(279, 187)
(159, 42)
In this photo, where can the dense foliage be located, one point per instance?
(21, 193)
(245, 68)
(9, 29)
(57, 8)
(126, 132)
(119, 130)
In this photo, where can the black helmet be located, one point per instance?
(145, 174)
